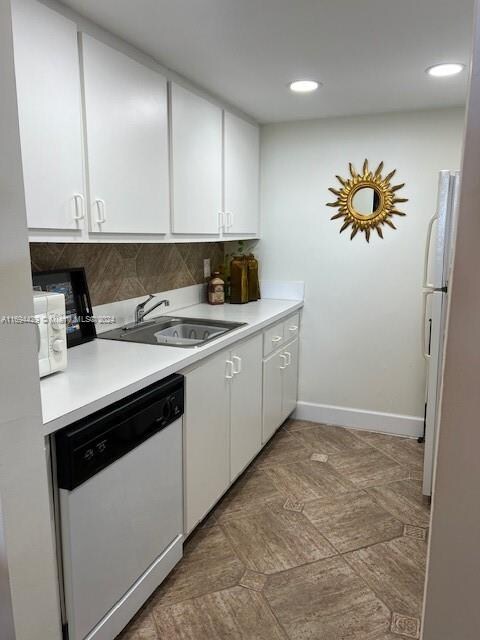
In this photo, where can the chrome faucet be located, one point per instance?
(140, 312)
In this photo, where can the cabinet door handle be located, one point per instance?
(238, 360)
(284, 358)
(426, 284)
(289, 358)
(425, 349)
(228, 219)
(276, 338)
(230, 370)
(221, 221)
(102, 216)
(79, 202)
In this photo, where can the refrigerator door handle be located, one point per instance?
(426, 284)
(425, 349)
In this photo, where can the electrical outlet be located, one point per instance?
(207, 269)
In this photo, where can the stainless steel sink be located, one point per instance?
(172, 331)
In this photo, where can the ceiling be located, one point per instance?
(371, 55)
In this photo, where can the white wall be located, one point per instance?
(27, 532)
(363, 312)
(452, 610)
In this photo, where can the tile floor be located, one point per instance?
(324, 537)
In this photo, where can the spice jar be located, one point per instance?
(216, 289)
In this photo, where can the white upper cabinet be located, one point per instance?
(241, 178)
(196, 137)
(127, 142)
(49, 105)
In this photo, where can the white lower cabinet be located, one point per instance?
(290, 380)
(223, 424)
(280, 382)
(245, 405)
(234, 402)
(272, 395)
(206, 439)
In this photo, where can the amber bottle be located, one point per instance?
(239, 280)
(253, 282)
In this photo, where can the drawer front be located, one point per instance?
(291, 327)
(273, 338)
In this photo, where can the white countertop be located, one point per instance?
(104, 371)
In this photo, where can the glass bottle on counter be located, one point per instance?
(239, 280)
(253, 282)
(216, 289)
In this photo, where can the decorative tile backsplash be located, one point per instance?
(121, 271)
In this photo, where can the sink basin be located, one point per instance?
(172, 332)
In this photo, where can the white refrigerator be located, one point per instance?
(438, 266)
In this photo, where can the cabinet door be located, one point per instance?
(127, 142)
(290, 379)
(245, 405)
(49, 106)
(196, 163)
(272, 394)
(206, 444)
(242, 168)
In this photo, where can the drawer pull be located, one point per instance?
(276, 338)
(238, 360)
(230, 370)
(294, 327)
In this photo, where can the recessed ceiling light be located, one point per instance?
(444, 70)
(304, 86)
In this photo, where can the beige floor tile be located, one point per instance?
(209, 564)
(307, 480)
(283, 448)
(415, 473)
(352, 520)
(276, 535)
(367, 467)
(249, 494)
(405, 501)
(276, 539)
(142, 627)
(395, 570)
(405, 626)
(296, 425)
(329, 440)
(233, 614)
(326, 600)
(406, 451)
(181, 621)
(253, 580)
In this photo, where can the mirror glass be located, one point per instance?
(366, 201)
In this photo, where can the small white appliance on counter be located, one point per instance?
(49, 311)
(438, 266)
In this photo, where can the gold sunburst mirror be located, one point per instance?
(367, 201)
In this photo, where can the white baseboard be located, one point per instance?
(391, 423)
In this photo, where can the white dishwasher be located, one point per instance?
(119, 507)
